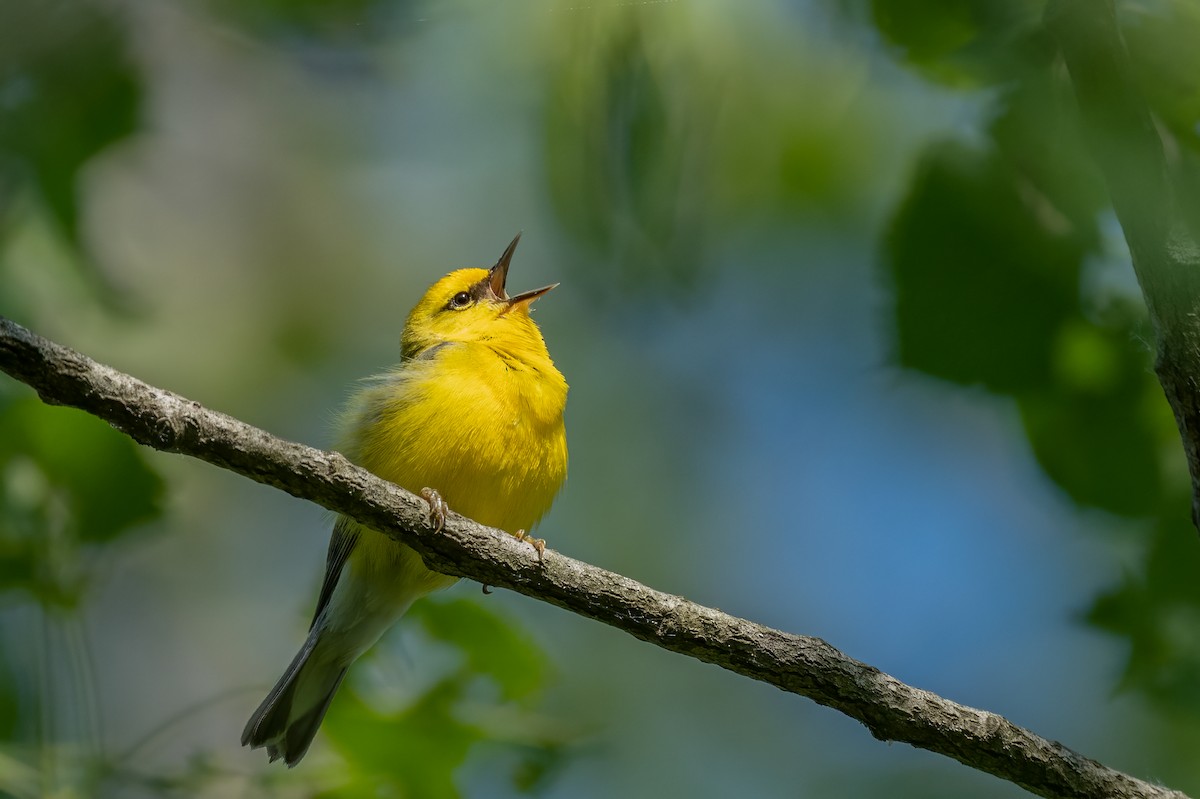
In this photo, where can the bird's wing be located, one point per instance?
(341, 544)
(429, 353)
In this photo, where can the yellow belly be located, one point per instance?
(483, 430)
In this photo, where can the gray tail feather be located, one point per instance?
(287, 730)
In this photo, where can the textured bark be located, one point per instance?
(890, 709)
(1162, 239)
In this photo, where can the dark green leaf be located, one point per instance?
(67, 90)
(350, 22)
(1037, 134)
(962, 42)
(982, 280)
(101, 474)
(1097, 448)
(1159, 613)
(1162, 47)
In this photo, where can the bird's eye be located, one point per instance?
(460, 300)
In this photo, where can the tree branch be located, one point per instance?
(1127, 147)
(890, 710)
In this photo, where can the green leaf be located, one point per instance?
(10, 705)
(493, 645)
(1037, 133)
(67, 91)
(1161, 38)
(412, 752)
(351, 22)
(1158, 612)
(102, 475)
(982, 281)
(962, 42)
(67, 480)
(1097, 448)
(417, 750)
(927, 29)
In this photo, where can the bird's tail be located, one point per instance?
(353, 611)
(287, 720)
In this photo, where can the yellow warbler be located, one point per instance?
(475, 411)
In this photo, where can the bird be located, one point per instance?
(471, 419)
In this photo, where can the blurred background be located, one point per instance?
(854, 344)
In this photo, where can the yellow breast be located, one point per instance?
(481, 425)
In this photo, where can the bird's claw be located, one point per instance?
(537, 543)
(437, 507)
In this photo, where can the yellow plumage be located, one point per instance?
(474, 411)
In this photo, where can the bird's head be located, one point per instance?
(471, 305)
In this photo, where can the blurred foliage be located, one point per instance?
(417, 749)
(67, 91)
(492, 646)
(988, 255)
(311, 17)
(622, 148)
(1164, 62)
(71, 487)
(1167, 66)
(962, 42)
(658, 134)
(965, 231)
(70, 484)
(328, 23)
(1158, 611)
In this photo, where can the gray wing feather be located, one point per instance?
(341, 544)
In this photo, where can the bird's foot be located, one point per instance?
(437, 507)
(537, 543)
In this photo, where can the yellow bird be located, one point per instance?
(475, 411)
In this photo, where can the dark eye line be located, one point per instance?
(465, 299)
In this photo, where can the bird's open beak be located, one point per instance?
(498, 276)
(530, 296)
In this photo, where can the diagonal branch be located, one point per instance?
(890, 709)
